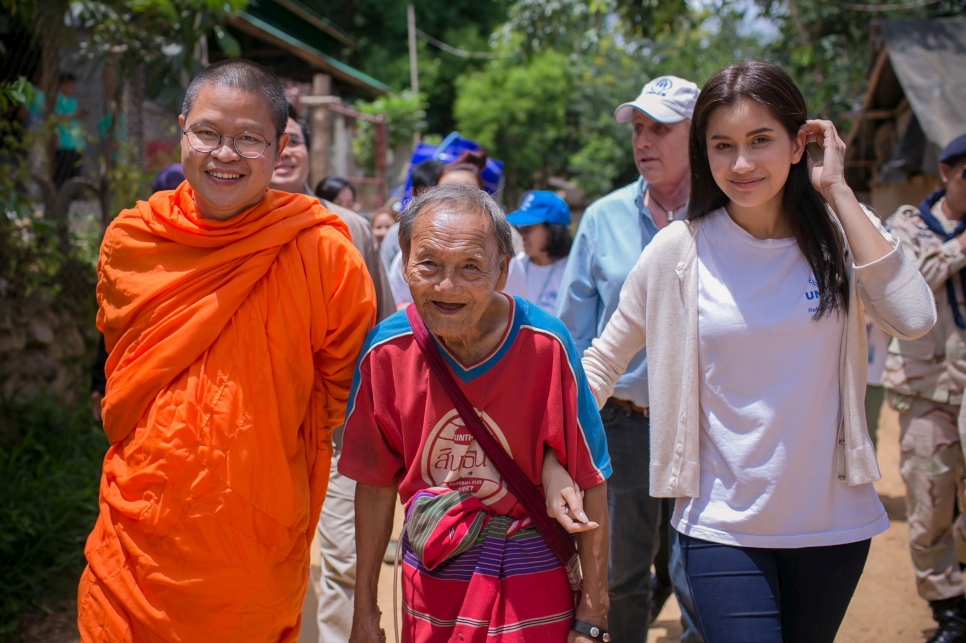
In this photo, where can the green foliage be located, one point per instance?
(30, 248)
(163, 35)
(825, 47)
(35, 261)
(405, 114)
(14, 93)
(519, 114)
(380, 29)
(50, 463)
(129, 177)
(568, 25)
(606, 77)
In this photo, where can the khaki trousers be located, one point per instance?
(931, 463)
(337, 564)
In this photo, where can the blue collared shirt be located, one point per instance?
(611, 236)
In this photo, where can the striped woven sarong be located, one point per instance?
(470, 576)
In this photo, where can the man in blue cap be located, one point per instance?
(924, 381)
(536, 273)
(613, 232)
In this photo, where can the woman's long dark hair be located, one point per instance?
(559, 241)
(817, 235)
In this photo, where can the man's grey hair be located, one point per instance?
(247, 76)
(461, 198)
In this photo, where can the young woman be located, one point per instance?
(382, 220)
(752, 314)
(337, 190)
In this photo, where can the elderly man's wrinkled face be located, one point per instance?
(454, 269)
(224, 182)
(660, 150)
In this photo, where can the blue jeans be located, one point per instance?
(752, 595)
(690, 633)
(634, 519)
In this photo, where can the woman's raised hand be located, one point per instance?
(828, 171)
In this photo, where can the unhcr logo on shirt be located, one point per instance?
(812, 293)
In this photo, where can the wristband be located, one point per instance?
(592, 631)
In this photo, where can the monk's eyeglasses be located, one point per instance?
(204, 139)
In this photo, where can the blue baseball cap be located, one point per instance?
(540, 206)
(954, 151)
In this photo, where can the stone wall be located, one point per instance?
(46, 347)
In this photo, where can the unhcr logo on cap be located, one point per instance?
(660, 87)
(667, 99)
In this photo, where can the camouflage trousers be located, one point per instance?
(932, 466)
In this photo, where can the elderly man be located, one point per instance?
(925, 379)
(612, 233)
(336, 532)
(475, 568)
(233, 315)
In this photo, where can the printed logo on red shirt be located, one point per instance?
(452, 458)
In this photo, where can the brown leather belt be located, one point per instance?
(630, 406)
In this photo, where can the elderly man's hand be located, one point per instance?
(577, 637)
(365, 629)
(564, 500)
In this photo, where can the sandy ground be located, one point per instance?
(885, 609)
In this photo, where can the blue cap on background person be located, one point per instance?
(540, 206)
(169, 178)
(954, 151)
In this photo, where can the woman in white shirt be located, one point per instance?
(752, 314)
(535, 273)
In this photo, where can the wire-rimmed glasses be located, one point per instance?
(205, 139)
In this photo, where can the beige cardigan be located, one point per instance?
(658, 308)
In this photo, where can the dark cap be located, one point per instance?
(169, 178)
(954, 151)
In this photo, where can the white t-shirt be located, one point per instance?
(770, 405)
(537, 284)
(398, 285)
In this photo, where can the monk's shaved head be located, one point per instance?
(247, 76)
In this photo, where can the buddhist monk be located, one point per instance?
(233, 315)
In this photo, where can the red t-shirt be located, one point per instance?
(401, 427)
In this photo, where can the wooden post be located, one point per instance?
(413, 71)
(321, 126)
(382, 145)
(342, 143)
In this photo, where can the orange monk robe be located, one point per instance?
(232, 347)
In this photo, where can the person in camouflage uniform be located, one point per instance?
(924, 381)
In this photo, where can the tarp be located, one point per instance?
(929, 59)
(447, 152)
